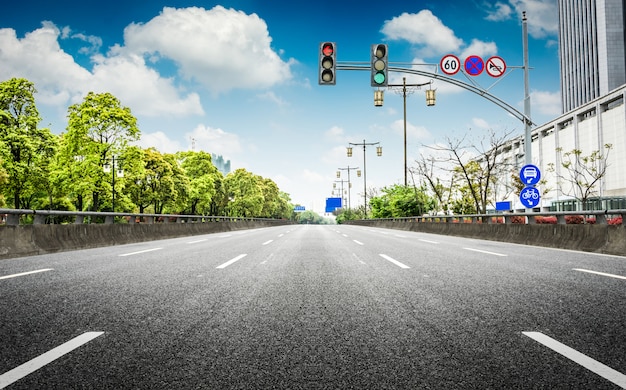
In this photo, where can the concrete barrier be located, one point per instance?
(608, 239)
(28, 240)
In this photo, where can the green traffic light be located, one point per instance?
(379, 78)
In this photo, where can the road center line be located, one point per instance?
(267, 242)
(592, 365)
(600, 273)
(229, 262)
(486, 252)
(137, 253)
(396, 262)
(358, 242)
(25, 273)
(33, 365)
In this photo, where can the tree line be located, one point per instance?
(94, 166)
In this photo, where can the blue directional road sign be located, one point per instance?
(530, 197)
(530, 175)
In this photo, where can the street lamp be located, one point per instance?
(114, 166)
(405, 89)
(379, 152)
(348, 168)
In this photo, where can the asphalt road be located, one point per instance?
(314, 307)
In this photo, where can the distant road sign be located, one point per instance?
(530, 197)
(450, 64)
(530, 175)
(474, 65)
(299, 209)
(495, 66)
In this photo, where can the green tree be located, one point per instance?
(401, 201)
(98, 129)
(245, 196)
(202, 175)
(28, 149)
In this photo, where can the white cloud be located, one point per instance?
(216, 141)
(221, 48)
(160, 141)
(541, 15)
(547, 103)
(480, 123)
(479, 48)
(61, 81)
(499, 11)
(424, 29)
(412, 131)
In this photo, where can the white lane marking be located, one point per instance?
(399, 236)
(600, 273)
(396, 262)
(137, 253)
(486, 252)
(592, 365)
(358, 242)
(33, 365)
(25, 273)
(267, 242)
(280, 235)
(225, 236)
(345, 235)
(428, 241)
(197, 241)
(229, 262)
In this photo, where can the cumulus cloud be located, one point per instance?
(216, 141)
(541, 15)
(423, 29)
(499, 11)
(548, 103)
(221, 48)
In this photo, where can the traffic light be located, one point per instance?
(327, 63)
(379, 65)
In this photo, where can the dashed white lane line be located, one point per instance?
(197, 241)
(486, 252)
(358, 242)
(229, 262)
(428, 241)
(394, 261)
(33, 365)
(599, 273)
(592, 365)
(140, 252)
(26, 273)
(267, 242)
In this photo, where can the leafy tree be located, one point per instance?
(98, 129)
(581, 172)
(202, 175)
(400, 201)
(244, 194)
(28, 149)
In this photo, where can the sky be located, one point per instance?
(240, 78)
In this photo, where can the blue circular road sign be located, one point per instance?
(474, 65)
(530, 197)
(530, 175)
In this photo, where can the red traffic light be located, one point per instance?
(328, 49)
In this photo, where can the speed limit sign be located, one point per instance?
(450, 64)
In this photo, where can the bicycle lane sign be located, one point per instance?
(530, 197)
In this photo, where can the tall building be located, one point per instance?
(592, 49)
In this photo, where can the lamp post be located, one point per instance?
(114, 166)
(405, 89)
(379, 152)
(348, 168)
(342, 190)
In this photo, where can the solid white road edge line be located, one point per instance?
(486, 252)
(140, 252)
(25, 273)
(396, 262)
(599, 273)
(229, 262)
(592, 365)
(33, 365)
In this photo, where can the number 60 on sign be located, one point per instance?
(450, 64)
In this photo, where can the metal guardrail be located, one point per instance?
(12, 217)
(598, 217)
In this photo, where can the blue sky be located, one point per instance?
(239, 78)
